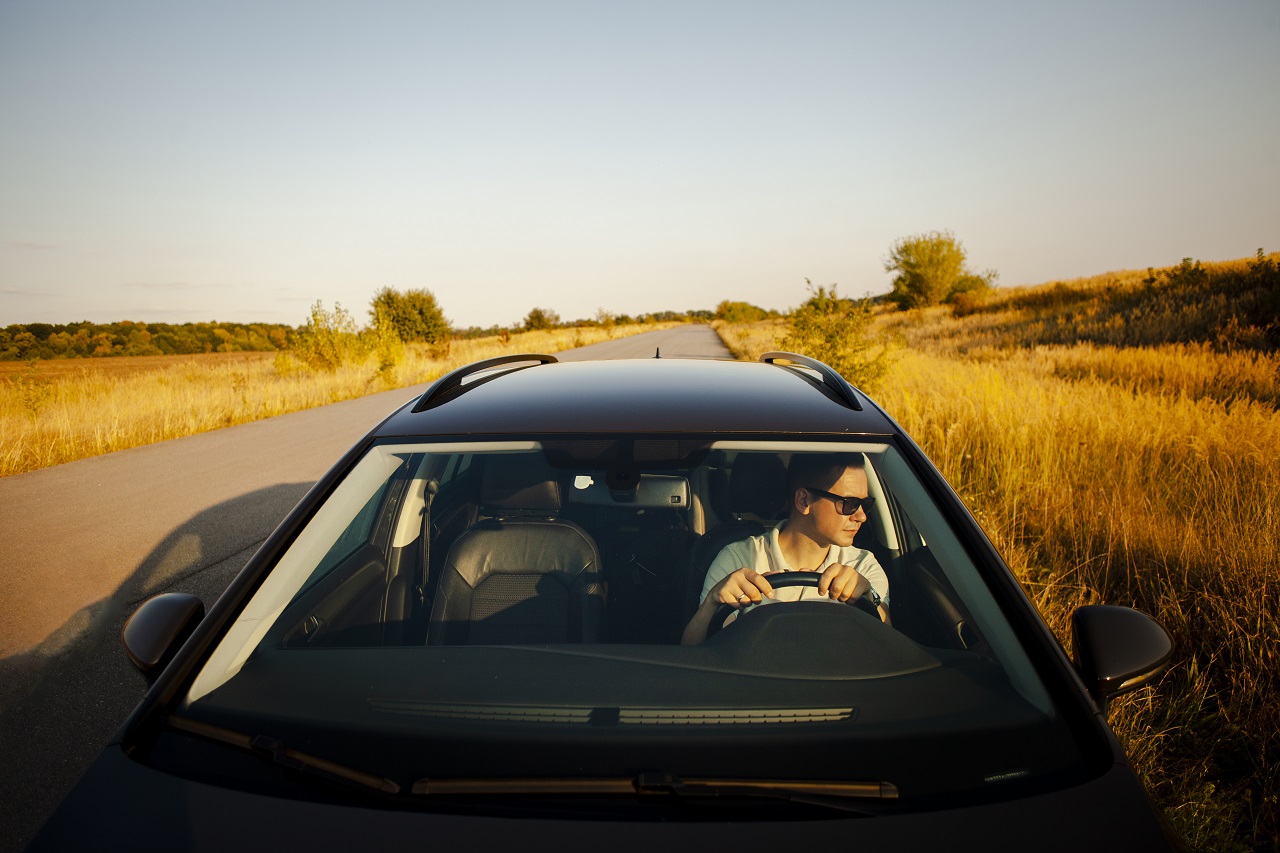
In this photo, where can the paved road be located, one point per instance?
(82, 544)
(682, 341)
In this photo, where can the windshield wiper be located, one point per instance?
(842, 796)
(832, 795)
(277, 752)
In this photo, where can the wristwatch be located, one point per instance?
(875, 596)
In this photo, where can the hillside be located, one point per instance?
(1229, 306)
(1117, 438)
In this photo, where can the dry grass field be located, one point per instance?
(61, 369)
(61, 410)
(1117, 437)
(1141, 474)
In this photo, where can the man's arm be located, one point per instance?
(742, 587)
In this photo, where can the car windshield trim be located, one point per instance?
(439, 593)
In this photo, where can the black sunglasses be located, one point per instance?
(844, 505)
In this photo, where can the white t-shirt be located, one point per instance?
(763, 554)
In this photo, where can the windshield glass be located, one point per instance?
(548, 595)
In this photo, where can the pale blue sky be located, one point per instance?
(180, 161)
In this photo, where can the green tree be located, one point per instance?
(541, 318)
(25, 344)
(931, 268)
(415, 315)
(739, 312)
(838, 331)
(139, 342)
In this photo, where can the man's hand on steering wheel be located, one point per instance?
(842, 583)
(741, 589)
(724, 609)
(746, 587)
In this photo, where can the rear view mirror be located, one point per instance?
(157, 629)
(1117, 649)
(638, 491)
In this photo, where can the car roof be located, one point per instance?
(659, 395)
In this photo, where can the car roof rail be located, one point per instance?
(830, 377)
(453, 380)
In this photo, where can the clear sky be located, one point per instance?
(238, 160)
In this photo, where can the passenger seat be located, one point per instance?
(524, 575)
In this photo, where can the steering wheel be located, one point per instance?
(782, 581)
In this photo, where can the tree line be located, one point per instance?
(23, 341)
(539, 319)
(931, 268)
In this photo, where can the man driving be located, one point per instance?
(828, 503)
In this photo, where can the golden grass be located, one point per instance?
(1137, 476)
(1196, 370)
(1096, 492)
(48, 418)
(1228, 304)
(749, 341)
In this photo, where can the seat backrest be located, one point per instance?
(523, 575)
(756, 498)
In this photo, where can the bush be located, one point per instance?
(329, 339)
(739, 312)
(931, 270)
(383, 340)
(539, 319)
(964, 304)
(606, 321)
(1265, 275)
(415, 315)
(837, 331)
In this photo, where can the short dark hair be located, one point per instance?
(819, 470)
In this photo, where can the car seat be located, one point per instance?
(522, 575)
(755, 498)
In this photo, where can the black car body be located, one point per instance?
(469, 632)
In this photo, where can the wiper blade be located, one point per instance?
(851, 790)
(276, 751)
(831, 795)
(835, 795)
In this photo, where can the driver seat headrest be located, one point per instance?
(520, 482)
(758, 486)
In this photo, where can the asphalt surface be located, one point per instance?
(82, 544)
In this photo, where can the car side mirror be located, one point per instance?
(157, 629)
(1117, 649)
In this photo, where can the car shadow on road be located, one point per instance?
(61, 702)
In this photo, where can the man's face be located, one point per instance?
(829, 524)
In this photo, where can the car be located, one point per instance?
(474, 630)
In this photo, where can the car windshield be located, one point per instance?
(500, 609)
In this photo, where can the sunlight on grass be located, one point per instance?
(1135, 475)
(1095, 492)
(72, 415)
